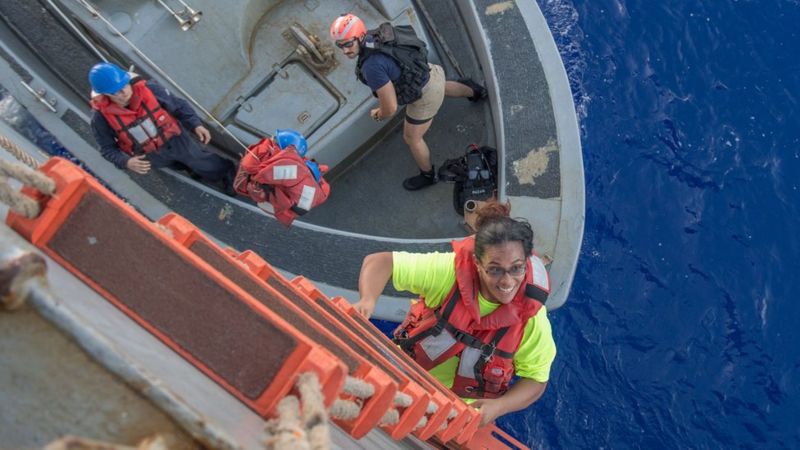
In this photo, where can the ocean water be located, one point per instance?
(680, 329)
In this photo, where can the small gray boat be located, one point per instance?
(251, 67)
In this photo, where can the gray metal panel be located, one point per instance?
(32, 350)
(572, 219)
(78, 125)
(292, 99)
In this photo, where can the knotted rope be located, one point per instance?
(304, 424)
(451, 416)
(429, 411)
(349, 409)
(306, 430)
(19, 203)
(12, 148)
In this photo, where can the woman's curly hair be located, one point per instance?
(496, 227)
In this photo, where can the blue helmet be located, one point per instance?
(314, 168)
(108, 78)
(287, 137)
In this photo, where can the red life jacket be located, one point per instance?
(280, 181)
(485, 345)
(143, 126)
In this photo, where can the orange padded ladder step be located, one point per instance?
(312, 324)
(411, 415)
(466, 420)
(440, 396)
(177, 297)
(463, 420)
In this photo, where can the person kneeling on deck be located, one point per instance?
(138, 125)
(480, 319)
(276, 174)
(393, 62)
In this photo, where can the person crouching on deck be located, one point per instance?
(139, 125)
(480, 319)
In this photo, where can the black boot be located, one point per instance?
(227, 183)
(478, 91)
(423, 180)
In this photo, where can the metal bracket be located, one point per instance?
(311, 50)
(41, 96)
(186, 17)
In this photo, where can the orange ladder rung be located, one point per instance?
(314, 324)
(409, 416)
(467, 419)
(130, 262)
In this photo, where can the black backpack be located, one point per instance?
(474, 175)
(403, 45)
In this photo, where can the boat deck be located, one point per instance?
(529, 117)
(367, 197)
(369, 211)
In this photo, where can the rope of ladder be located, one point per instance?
(19, 203)
(296, 427)
(303, 423)
(18, 153)
(302, 430)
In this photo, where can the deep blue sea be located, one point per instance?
(680, 329)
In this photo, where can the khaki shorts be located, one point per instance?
(428, 105)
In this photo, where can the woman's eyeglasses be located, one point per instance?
(346, 44)
(498, 272)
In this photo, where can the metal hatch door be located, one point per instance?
(293, 98)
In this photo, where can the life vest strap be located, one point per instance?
(485, 356)
(137, 147)
(407, 343)
(152, 117)
(471, 341)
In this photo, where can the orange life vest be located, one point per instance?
(280, 181)
(485, 345)
(141, 127)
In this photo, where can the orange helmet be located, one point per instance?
(346, 27)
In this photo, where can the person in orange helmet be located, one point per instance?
(393, 62)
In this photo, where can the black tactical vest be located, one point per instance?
(410, 52)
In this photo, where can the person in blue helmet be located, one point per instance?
(287, 137)
(140, 125)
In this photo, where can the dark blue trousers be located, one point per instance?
(187, 151)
